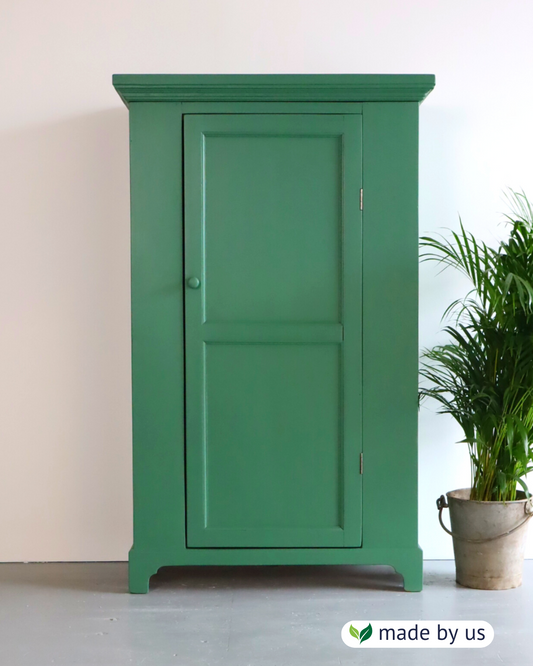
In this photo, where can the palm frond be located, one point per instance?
(483, 377)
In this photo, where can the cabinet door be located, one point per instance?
(273, 330)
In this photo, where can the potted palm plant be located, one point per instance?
(483, 378)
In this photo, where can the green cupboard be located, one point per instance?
(274, 246)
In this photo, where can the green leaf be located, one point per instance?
(354, 632)
(510, 432)
(366, 633)
(524, 486)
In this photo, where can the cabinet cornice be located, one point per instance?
(273, 87)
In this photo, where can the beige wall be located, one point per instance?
(65, 436)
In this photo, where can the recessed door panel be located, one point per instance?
(259, 213)
(280, 394)
(273, 330)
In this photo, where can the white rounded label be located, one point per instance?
(417, 634)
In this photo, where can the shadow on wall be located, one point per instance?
(443, 464)
(65, 485)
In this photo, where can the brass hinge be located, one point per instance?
(361, 199)
(360, 463)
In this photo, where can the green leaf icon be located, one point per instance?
(354, 632)
(366, 633)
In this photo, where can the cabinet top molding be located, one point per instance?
(273, 87)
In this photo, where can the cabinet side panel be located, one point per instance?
(157, 329)
(390, 324)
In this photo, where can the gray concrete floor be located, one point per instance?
(79, 614)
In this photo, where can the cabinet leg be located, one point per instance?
(410, 566)
(412, 579)
(140, 569)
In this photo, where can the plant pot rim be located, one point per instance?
(458, 496)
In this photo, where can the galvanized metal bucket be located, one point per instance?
(488, 539)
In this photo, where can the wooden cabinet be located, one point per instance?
(274, 320)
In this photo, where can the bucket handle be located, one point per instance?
(443, 504)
